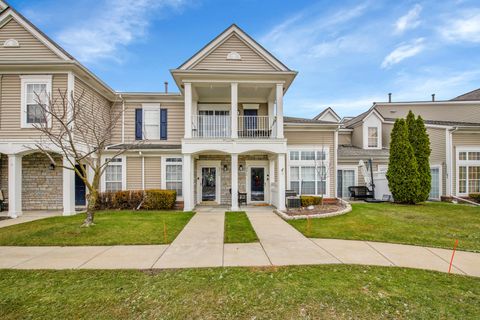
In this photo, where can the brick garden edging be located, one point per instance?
(345, 210)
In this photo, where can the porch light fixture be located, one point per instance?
(225, 167)
(52, 166)
(240, 168)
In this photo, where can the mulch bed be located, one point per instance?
(320, 209)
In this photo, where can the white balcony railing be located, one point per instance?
(211, 126)
(255, 127)
(219, 126)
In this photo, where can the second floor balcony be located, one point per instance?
(213, 126)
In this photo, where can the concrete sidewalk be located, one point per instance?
(200, 244)
(27, 217)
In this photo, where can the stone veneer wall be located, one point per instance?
(4, 175)
(226, 176)
(42, 188)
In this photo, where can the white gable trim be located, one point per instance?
(34, 32)
(199, 56)
(328, 111)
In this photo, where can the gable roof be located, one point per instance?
(326, 112)
(362, 116)
(234, 30)
(469, 96)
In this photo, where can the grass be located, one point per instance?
(428, 224)
(111, 228)
(238, 228)
(326, 292)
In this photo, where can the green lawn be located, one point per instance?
(326, 292)
(111, 228)
(429, 224)
(238, 228)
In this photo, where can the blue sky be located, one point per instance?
(348, 53)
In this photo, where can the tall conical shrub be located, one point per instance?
(421, 147)
(402, 174)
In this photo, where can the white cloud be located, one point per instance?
(307, 33)
(118, 24)
(403, 52)
(410, 20)
(465, 27)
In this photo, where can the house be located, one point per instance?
(223, 134)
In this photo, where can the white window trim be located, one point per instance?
(124, 172)
(33, 79)
(295, 163)
(150, 107)
(378, 138)
(163, 173)
(464, 163)
(440, 181)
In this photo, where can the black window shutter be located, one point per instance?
(138, 124)
(163, 124)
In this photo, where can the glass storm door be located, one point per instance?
(346, 178)
(209, 188)
(257, 184)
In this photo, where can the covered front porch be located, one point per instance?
(234, 180)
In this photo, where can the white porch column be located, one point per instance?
(234, 182)
(281, 181)
(68, 188)
(279, 97)
(188, 110)
(14, 185)
(234, 110)
(271, 176)
(187, 183)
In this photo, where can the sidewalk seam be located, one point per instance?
(38, 255)
(108, 248)
(453, 264)
(368, 244)
(331, 254)
(161, 255)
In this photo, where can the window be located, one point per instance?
(468, 171)
(372, 137)
(308, 171)
(151, 124)
(173, 175)
(113, 175)
(435, 183)
(345, 179)
(35, 92)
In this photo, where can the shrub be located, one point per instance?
(160, 199)
(311, 200)
(475, 196)
(402, 174)
(120, 200)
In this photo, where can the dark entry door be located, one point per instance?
(80, 191)
(209, 181)
(257, 184)
(250, 120)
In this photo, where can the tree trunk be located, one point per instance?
(91, 206)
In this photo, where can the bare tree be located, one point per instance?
(322, 166)
(76, 128)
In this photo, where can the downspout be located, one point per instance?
(123, 118)
(335, 161)
(449, 155)
(450, 137)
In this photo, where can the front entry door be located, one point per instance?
(209, 184)
(257, 184)
(80, 190)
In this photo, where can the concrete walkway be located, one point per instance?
(200, 244)
(27, 217)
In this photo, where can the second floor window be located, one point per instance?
(35, 98)
(372, 137)
(151, 124)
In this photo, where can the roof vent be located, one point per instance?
(234, 55)
(11, 43)
(433, 97)
(389, 97)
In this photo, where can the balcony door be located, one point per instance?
(213, 123)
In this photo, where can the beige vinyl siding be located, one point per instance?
(262, 109)
(345, 138)
(217, 58)
(315, 138)
(134, 173)
(436, 111)
(95, 110)
(31, 49)
(10, 105)
(438, 153)
(175, 123)
(462, 139)
(357, 136)
(153, 167)
(386, 132)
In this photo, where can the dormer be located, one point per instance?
(367, 130)
(328, 115)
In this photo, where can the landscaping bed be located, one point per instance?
(318, 209)
(297, 292)
(111, 228)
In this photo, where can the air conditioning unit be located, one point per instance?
(293, 202)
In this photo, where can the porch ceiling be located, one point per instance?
(222, 92)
